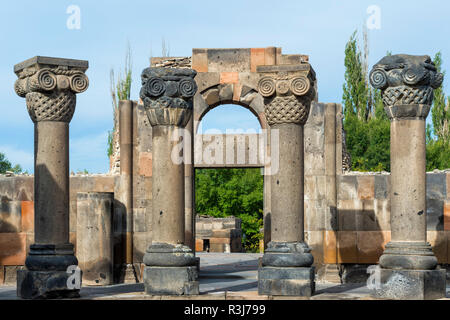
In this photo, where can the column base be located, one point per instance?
(171, 280)
(45, 285)
(411, 284)
(286, 281)
(129, 274)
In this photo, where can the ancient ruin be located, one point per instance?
(321, 221)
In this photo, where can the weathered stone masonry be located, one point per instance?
(346, 215)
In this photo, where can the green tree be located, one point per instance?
(365, 122)
(120, 90)
(233, 192)
(438, 135)
(5, 165)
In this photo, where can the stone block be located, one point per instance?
(330, 247)
(382, 186)
(27, 216)
(314, 239)
(436, 186)
(229, 60)
(347, 187)
(198, 245)
(366, 219)
(274, 281)
(411, 284)
(140, 243)
(145, 164)
(366, 187)
(140, 219)
(204, 234)
(44, 285)
(229, 78)
(447, 216)
(217, 247)
(438, 240)
(347, 212)
(226, 92)
(371, 245)
(171, 280)
(347, 247)
(10, 216)
(2, 275)
(10, 275)
(23, 188)
(207, 80)
(257, 58)
(435, 215)
(382, 209)
(12, 249)
(200, 60)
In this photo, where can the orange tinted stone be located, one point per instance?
(330, 247)
(145, 164)
(27, 216)
(347, 249)
(198, 245)
(447, 216)
(257, 58)
(229, 77)
(200, 61)
(366, 188)
(12, 249)
(219, 240)
(370, 246)
(237, 92)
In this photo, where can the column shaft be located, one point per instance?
(51, 182)
(126, 172)
(287, 186)
(168, 187)
(408, 180)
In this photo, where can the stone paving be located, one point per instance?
(223, 276)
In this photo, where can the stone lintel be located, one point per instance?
(83, 65)
(284, 68)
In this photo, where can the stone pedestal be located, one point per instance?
(408, 265)
(170, 264)
(407, 284)
(94, 237)
(286, 265)
(50, 86)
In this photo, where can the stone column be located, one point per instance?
(170, 264)
(94, 237)
(408, 265)
(287, 263)
(125, 195)
(50, 86)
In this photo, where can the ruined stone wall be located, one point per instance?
(17, 217)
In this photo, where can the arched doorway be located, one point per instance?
(229, 181)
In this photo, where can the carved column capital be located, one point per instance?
(50, 86)
(406, 83)
(288, 91)
(167, 95)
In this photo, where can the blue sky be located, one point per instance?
(317, 28)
